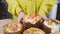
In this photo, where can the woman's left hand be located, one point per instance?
(44, 17)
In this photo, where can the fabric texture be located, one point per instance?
(29, 6)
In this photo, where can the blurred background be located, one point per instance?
(4, 14)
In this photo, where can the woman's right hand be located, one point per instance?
(20, 16)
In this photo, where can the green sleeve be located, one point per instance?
(13, 7)
(46, 6)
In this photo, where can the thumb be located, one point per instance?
(20, 16)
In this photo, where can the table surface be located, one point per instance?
(3, 22)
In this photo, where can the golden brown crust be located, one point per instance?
(33, 30)
(12, 28)
(49, 22)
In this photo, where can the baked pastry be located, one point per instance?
(33, 21)
(50, 26)
(12, 28)
(33, 30)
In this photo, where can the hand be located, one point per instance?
(44, 17)
(20, 16)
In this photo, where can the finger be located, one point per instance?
(44, 17)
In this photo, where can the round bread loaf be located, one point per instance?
(33, 31)
(50, 26)
(13, 28)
